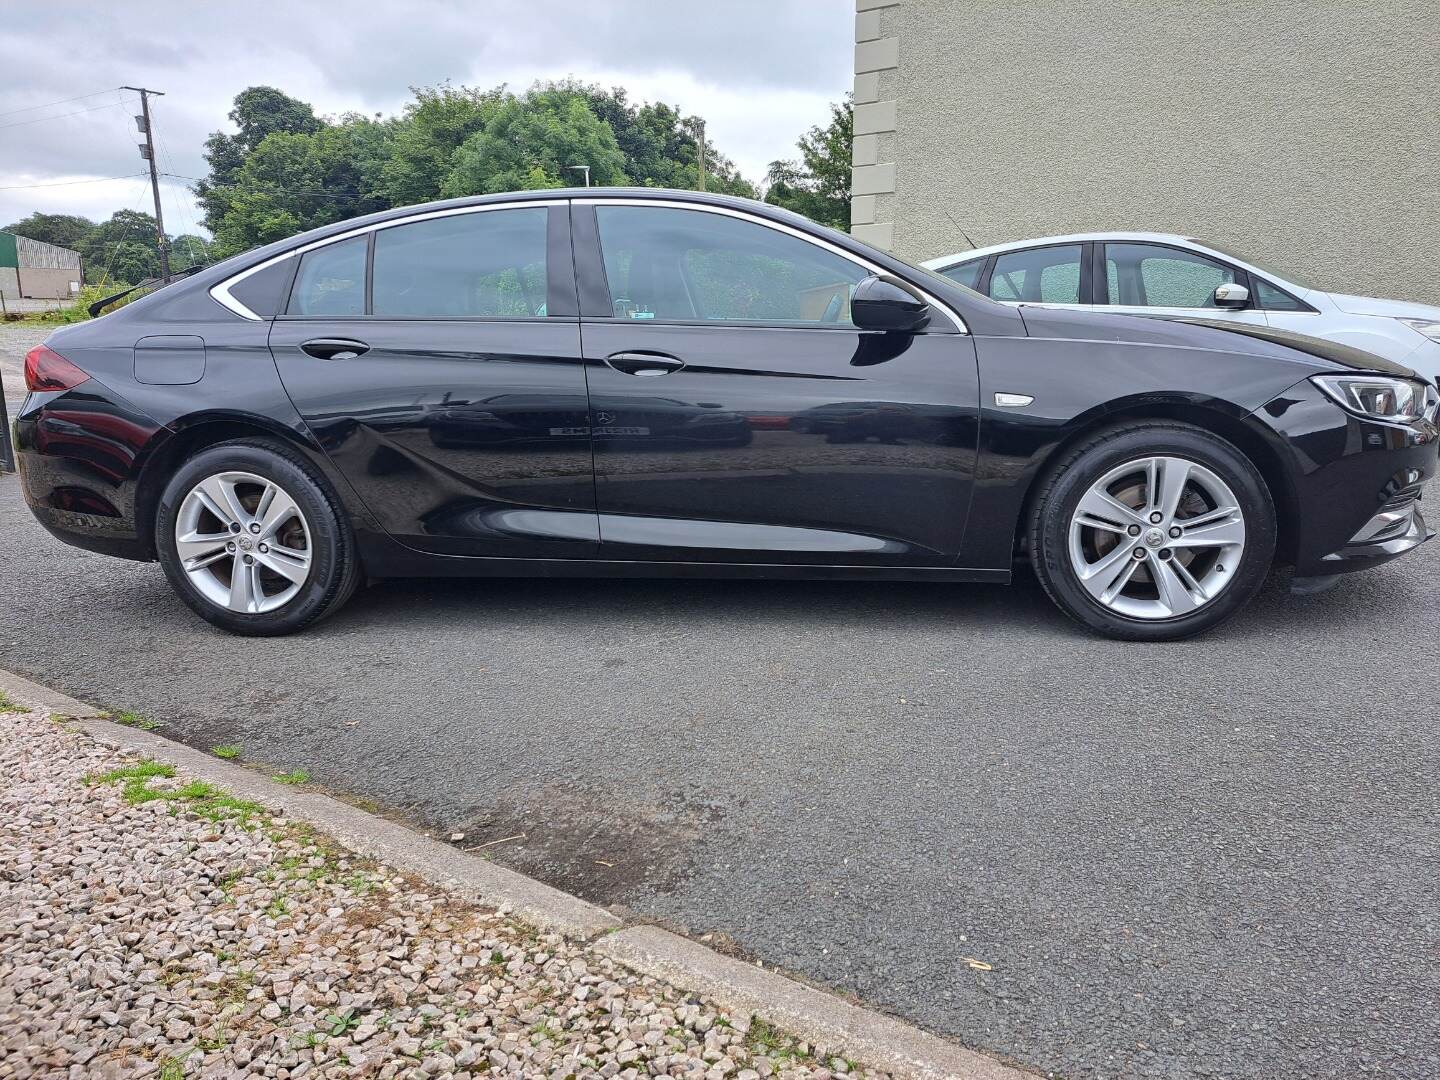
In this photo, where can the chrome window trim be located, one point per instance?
(220, 292)
(834, 249)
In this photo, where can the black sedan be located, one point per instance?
(638, 382)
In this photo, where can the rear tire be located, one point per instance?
(1155, 494)
(267, 550)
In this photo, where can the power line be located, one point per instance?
(62, 116)
(68, 183)
(274, 191)
(62, 101)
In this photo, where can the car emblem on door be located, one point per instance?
(604, 418)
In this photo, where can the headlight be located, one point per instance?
(1379, 397)
(1429, 327)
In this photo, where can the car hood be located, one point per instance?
(1393, 309)
(1202, 333)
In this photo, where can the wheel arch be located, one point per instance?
(191, 435)
(1247, 436)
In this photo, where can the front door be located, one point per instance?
(1137, 278)
(451, 390)
(739, 416)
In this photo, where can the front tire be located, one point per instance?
(1152, 532)
(252, 539)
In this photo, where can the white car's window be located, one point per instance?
(477, 265)
(1151, 275)
(688, 265)
(1272, 299)
(1047, 275)
(966, 273)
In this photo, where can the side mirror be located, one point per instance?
(882, 302)
(1230, 295)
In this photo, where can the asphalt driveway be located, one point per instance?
(1212, 858)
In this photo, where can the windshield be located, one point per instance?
(1280, 274)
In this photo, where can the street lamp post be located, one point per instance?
(585, 169)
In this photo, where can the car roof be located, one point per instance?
(1068, 238)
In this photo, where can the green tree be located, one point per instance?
(259, 111)
(659, 143)
(531, 142)
(63, 230)
(818, 185)
(187, 249)
(428, 134)
(124, 248)
(294, 181)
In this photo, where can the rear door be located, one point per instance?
(740, 416)
(437, 360)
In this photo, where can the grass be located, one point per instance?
(200, 796)
(766, 1040)
(294, 776)
(135, 720)
(229, 751)
(7, 705)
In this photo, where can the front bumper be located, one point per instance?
(1356, 484)
(1393, 531)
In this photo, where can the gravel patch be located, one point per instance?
(151, 925)
(17, 339)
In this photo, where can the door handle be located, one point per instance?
(334, 348)
(644, 364)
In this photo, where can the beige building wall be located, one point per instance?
(1302, 135)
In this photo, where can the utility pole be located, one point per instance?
(700, 144)
(148, 153)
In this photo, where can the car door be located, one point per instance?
(1145, 278)
(740, 416)
(437, 361)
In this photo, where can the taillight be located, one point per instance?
(45, 369)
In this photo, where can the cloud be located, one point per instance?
(761, 73)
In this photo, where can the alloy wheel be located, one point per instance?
(243, 542)
(1157, 537)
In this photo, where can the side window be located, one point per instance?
(489, 263)
(690, 265)
(1272, 299)
(1149, 275)
(1049, 275)
(966, 273)
(331, 280)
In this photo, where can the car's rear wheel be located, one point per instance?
(253, 540)
(1153, 532)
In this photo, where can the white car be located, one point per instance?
(1145, 273)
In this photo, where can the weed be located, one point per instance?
(135, 720)
(294, 776)
(229, 751)
(200, 796)
(171, 1069)
(342, 1023)
(212, 1042)
(279, 906)
(8, 705)
(766, 1040)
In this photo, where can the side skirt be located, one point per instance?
(384, 559)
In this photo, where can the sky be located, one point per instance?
(760, 73)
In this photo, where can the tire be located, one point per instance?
(1217, 564)
(313, 533)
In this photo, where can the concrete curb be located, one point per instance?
(824, 1020)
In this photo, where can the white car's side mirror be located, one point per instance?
(1230, 295)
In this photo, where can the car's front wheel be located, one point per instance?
(1153, 532)
(253, 541)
